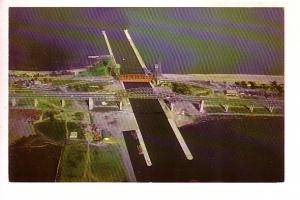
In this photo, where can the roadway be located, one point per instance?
(146, 92)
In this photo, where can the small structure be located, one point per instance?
(106, 135)
(231, 93)
(73, 135)
(37, 82)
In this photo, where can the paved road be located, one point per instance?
(146, 92)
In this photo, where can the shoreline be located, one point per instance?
(209, 118)
(228, 77)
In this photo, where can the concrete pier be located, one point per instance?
(13, 101)
(63, 103)
(271, 108)
(143, 146)
(180, 139)
(172, 106)
(121, 105)
(226, 107)
(91, 103)
(201, 106)
(36, 102)
(251, 108)
(171, 122)
(107, 43)
(139, 57)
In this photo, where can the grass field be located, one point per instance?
(98, 70)
(106, 164)
(58, 82)
(83, 163)
(86, 87)
(73, 162)
(54, 129)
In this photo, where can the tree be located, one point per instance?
(50, 115)
(181, 88)
(243, 84)
(273, 83)
(79, 115)
(253, 84)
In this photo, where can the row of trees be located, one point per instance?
(273, 86)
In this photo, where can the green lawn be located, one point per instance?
(106, 164)
(98, 70)
(73, 162)
(52, 128)
(86, 87)
(103, 164)
(58, 82)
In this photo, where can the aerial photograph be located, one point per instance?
(146, 94)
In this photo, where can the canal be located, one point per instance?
(224, 149)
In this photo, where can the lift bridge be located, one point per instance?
(145, 93)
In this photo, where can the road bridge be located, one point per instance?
(150, 93)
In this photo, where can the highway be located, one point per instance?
(146, 92)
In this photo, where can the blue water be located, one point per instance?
(184, 40)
